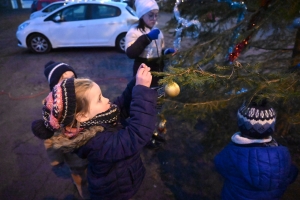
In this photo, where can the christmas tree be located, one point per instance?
(244, 50)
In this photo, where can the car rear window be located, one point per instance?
(104, 11)
(131, 11)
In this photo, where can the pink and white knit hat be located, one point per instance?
(58, 110)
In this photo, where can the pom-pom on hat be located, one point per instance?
(39, 130)
(144, 6)
(58, 110)
(256, 121)
(54, 70)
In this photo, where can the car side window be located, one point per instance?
(73, 13)
(104, 11)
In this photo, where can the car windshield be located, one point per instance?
(53, 7)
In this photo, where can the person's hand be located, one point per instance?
(153, 34)
(168, 51)
(143, 76)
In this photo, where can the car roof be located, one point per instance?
(74, 2)
(106, 2)
(96, 1)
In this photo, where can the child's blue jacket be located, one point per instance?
(115, 169)
(255, 172)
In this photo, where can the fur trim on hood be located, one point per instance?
(61, 142)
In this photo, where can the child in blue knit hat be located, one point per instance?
(55, 72)
(254, 165)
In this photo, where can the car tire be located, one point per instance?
(38, 43)
(120, 42)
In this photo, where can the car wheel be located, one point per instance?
(39, 43)
(120, 42)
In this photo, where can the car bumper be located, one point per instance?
(21, 37)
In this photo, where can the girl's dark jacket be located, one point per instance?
(255, 172)
(143, 50)
(115, 169)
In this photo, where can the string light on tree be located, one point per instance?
(238, 49)
(162, 125)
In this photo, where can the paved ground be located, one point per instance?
(175, 172)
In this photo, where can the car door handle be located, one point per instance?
(81, 26)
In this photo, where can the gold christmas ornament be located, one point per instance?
(172, 89)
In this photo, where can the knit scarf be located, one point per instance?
(108, 117)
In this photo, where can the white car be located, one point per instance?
(78, 24)
(48, 9)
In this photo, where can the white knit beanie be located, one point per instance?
(144, 6)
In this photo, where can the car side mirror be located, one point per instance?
(57, 18)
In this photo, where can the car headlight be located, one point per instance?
(22, 26)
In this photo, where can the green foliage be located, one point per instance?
(211, 86)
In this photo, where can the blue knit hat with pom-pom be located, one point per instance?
(54, 70)
(257, 120)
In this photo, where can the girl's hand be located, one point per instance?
(143, 76)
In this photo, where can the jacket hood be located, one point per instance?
(61, 142)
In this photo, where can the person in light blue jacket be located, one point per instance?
(253, 164)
